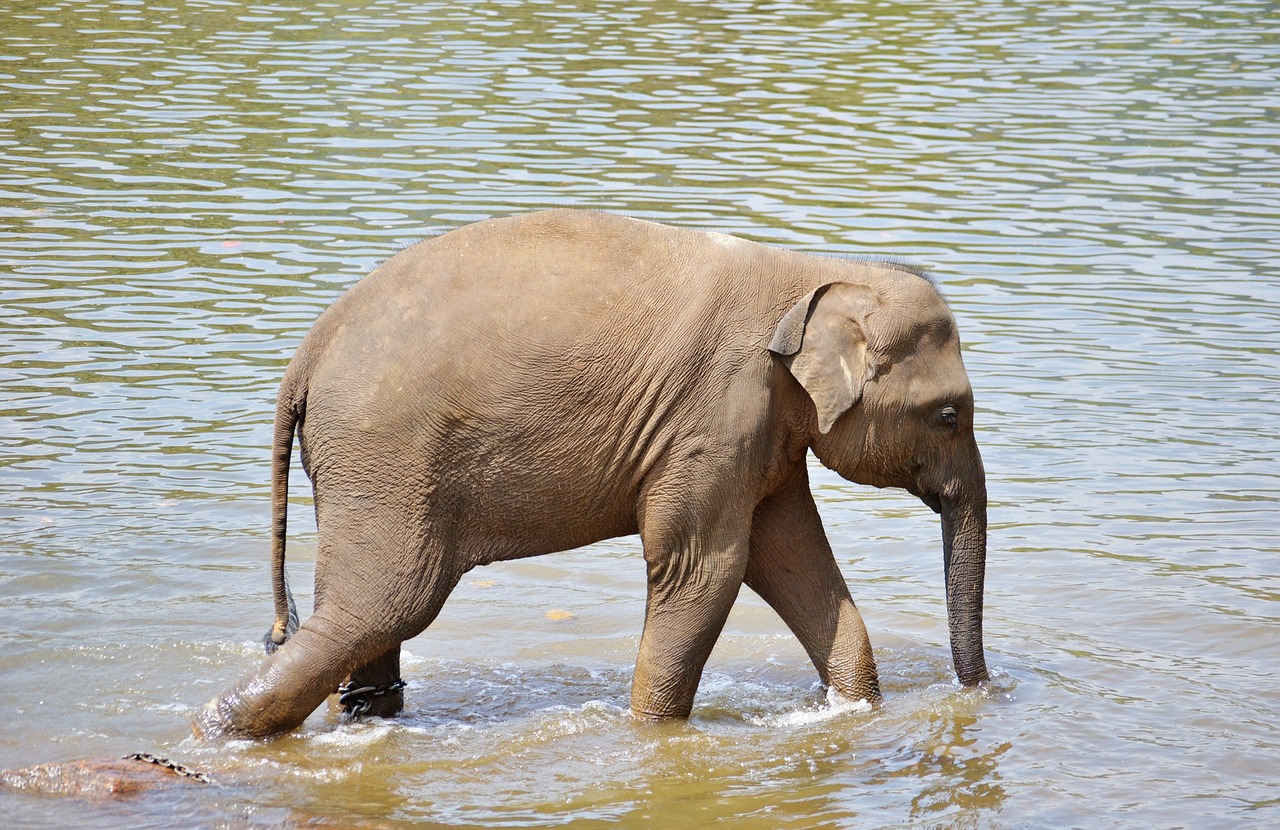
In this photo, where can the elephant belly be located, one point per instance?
(529, 503)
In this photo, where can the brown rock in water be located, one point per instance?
(113, 777)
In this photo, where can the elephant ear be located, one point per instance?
(822, 340)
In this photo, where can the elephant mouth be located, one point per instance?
(932, 501)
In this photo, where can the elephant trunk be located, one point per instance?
(964, 558)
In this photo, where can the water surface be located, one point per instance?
(184, 186)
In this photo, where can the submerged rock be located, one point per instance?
(111, 777)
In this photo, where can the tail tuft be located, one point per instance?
(282, 630)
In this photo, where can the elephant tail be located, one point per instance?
(289, 413)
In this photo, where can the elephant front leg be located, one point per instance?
(374, 689)
(692, 586)
(792, 568)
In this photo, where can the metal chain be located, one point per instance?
(176, 769)
(358, 700)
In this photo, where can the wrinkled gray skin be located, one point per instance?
(534, 384)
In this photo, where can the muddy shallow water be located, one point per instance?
(184, 186)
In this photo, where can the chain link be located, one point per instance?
(176, 769)
(357, 700)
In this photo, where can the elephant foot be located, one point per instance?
(359, 700)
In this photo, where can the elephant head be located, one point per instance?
(892, 407)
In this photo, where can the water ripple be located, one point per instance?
(184, 187)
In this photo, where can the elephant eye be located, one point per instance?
(949, 417)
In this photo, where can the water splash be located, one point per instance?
(832, 707)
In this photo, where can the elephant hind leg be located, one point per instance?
(374, 688)
(296, 679)
(362, 617)
(287, 687)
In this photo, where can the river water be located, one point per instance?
(185, 185)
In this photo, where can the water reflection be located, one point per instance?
(957, 774)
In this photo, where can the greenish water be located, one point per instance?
(184, 186)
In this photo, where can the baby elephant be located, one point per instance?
(534, 384)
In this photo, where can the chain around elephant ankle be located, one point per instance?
(357, 700)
